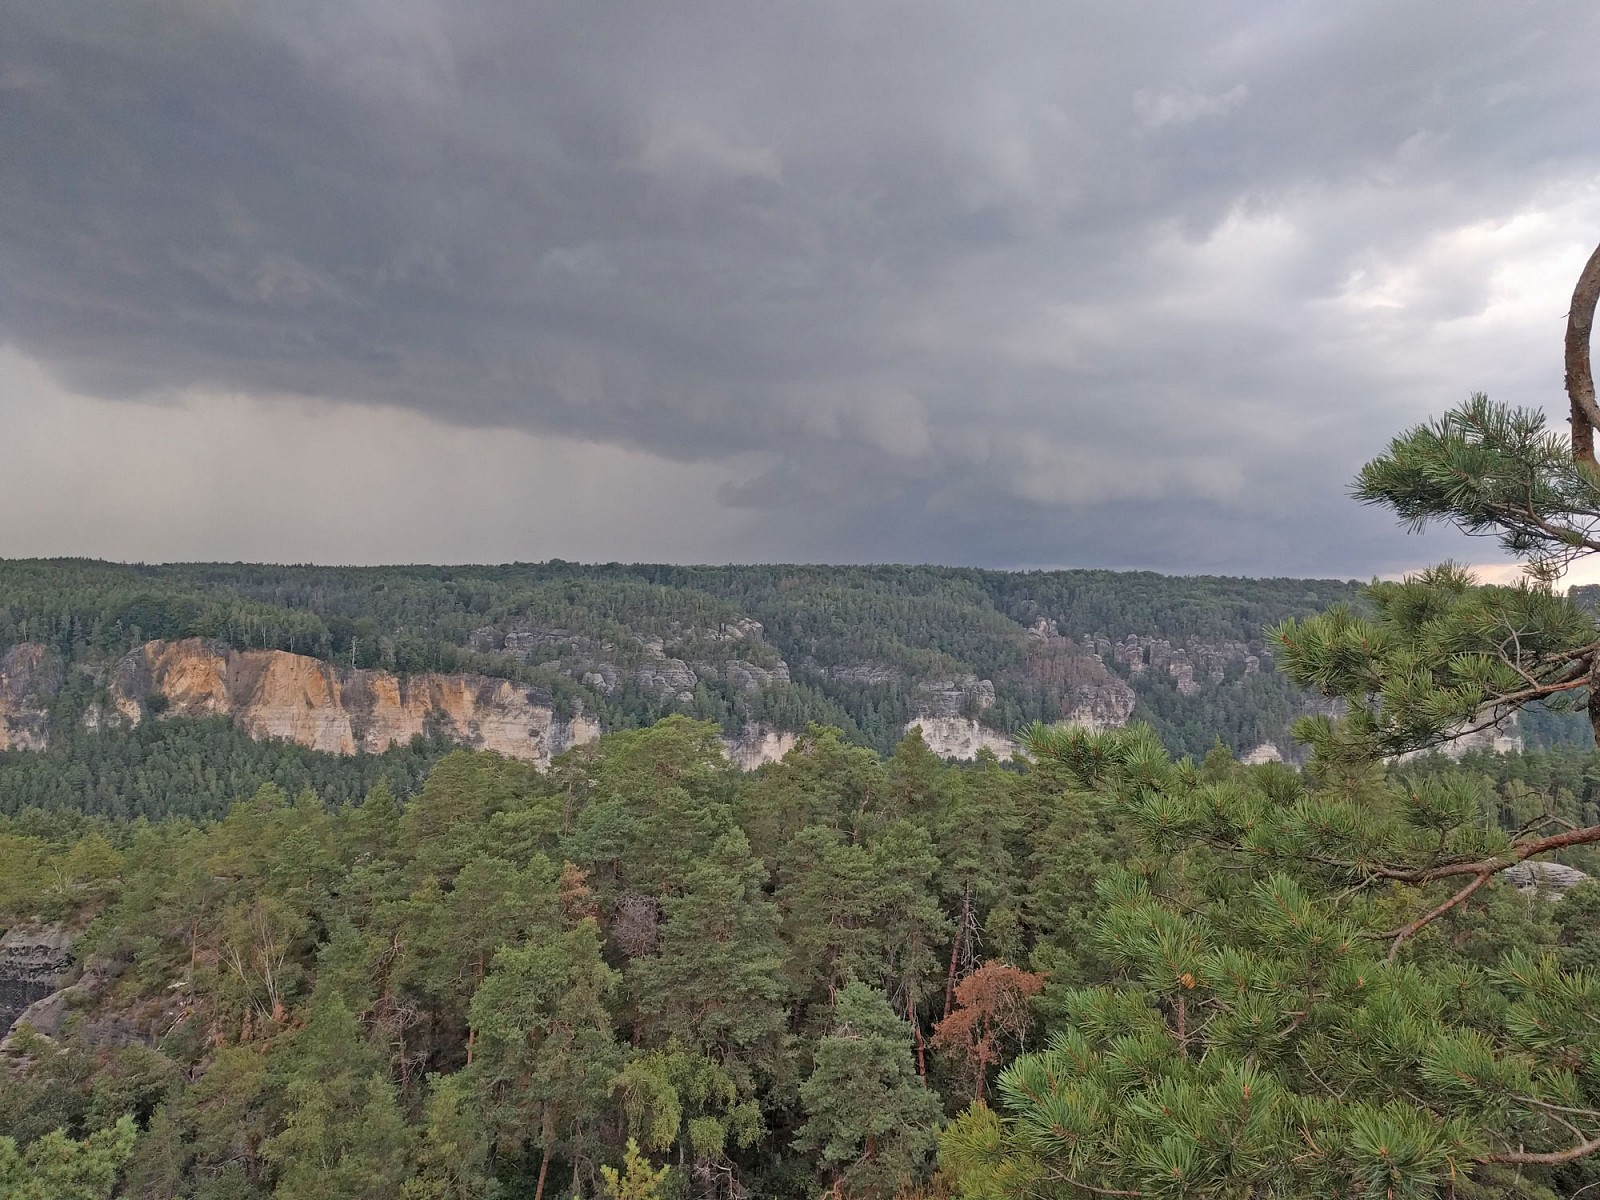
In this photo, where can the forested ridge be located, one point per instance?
(851, 647)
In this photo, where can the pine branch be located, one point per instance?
(1405, 931)
(1551, 1158)
(1089, 1187)
(1561, 1108)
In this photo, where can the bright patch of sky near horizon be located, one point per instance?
(1018, 286)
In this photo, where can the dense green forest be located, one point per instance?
(645, 974)
(192, 768)
(843, 646)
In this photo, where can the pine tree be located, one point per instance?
(345, 1137)
(990, 1020)
(1284, 1013)
(454, 1149)
(55, 1167)
(547, 1053)
(1317, 986)
(869, 1119)
(714, 983)
(637, 1180)
(675, 1098)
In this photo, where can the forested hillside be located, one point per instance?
(645, 974)
(864, 649)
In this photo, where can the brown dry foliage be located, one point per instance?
(992, 1015)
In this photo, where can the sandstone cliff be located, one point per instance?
(1091, 695)
(758, 744)
(961, 737)
(949, 711)
(33, 962)
(271, 693)
(29, 676)
(944, 710)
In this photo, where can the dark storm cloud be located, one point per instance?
(1122, 285)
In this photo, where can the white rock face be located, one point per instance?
(1503, 738)
(758, 744)
(29, 675)
(961, 737)
(1544, 876)
(1267, 752)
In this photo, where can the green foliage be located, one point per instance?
(55, 1167)
(190, 768)
(869, 1119)
(506, 973)
(1260, 1031)
(1491, 470)
(1439, 654)
(637, 1180)
(344, 1136)
(674, 1098)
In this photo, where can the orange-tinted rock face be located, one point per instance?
(271, 693)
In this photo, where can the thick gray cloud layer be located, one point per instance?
(1002, 284)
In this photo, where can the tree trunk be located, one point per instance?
(1580, 377)
(1594, 699)
(955, 954)
(916, 1026)
(544, 1168)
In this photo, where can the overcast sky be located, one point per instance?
(1007, 284)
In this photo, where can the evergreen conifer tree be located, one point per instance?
(869, 1119)
(55, 1167)
(1298, 1004)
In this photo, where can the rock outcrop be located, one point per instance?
(1091, 696)
(866, 674)
(960, 696)
(1549, 877)
(666, 679)
(757, 745)
(48, 1014)
(30, 674)
(33, 963)
(943, 709)
(748, 677)
(1101, 706)
(271, 693)
(1191, 666)
(961, 737)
